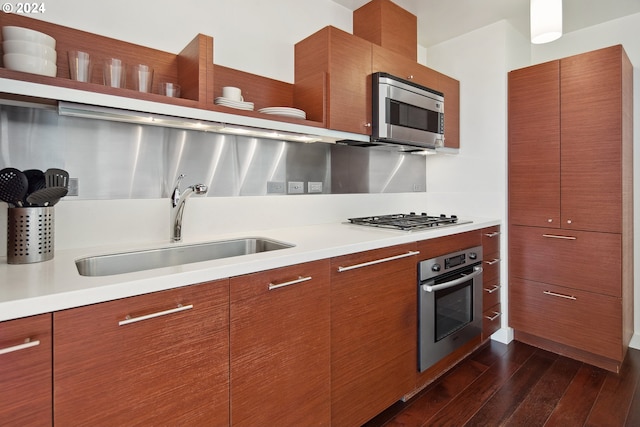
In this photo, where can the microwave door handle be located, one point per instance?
(433, 288)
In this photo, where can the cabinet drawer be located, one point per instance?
(491, 241)
(490, 271)
(565, 258)
(490, 295)
(25, 371)
(491, 320)
(576, 318)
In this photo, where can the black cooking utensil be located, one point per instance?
(48, 196)
(57, 178)
(13, 186)
(36, 180)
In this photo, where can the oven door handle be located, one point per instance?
(476, 272)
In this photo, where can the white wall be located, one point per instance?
(481, 61)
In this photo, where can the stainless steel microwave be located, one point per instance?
(406, 114)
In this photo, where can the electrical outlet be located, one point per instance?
(314, 187)
(275, 187)
(73, 187)
(296, 187)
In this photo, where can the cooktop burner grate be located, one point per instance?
(408, 222)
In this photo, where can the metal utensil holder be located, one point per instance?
(30, 234)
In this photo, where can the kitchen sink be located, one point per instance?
(127, 262)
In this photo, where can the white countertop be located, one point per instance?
(29, 289)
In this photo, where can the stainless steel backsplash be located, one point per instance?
(128, 161)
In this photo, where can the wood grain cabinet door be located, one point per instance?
(25, 371)
(155, 359)
(591, 92)
(373, 332)
(534, 145)
(346, 60)
(280, 347)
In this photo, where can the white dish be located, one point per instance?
(29, 48)
(29, 64)
(284, 111)
(242, 105)
(25, 34)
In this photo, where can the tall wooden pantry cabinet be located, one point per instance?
(571, 206)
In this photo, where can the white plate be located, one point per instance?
(233, 104)
(284, 111)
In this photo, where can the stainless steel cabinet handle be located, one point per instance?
(377, 261)
(494, 234)
(492, 318)
(433, 288)
(178, 309)
(300, 279)
(27, 344)
(555, 236)
(492, 290)
(493, 261)
(553, 294)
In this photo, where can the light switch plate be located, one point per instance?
(275, 187)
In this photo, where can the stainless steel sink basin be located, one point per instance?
(127, 262)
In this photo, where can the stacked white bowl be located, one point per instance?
(29, 51)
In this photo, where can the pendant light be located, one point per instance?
(546, 20)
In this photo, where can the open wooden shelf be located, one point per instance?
(193, 69)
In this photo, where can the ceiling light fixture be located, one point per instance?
(546, 21)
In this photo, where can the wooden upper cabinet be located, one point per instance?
(451, 89)
(386, 24)
(25, 371)
(567, 161)
(534, 145)
(155, 359)
(280, 347)
(591, 134)
(400, 66)
(345, 60)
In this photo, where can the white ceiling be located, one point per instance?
(440, 20)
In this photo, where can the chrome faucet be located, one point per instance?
(178, 200)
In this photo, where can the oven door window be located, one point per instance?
(453, 308)
(410, 116)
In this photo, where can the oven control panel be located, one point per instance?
(443, 264)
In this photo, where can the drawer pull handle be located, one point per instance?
(493, 261)
(555, 236)
(492, 290)
(300, 279)
(178, 309)
(553, 294)
(27, 344)
(492, 318)
(377, 261)
(494, 234)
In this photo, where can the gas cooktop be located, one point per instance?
(408, 222)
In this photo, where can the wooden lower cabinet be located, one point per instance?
(280, 347)
(580, 319)
(491, 283)
(155, 359)
(373, 332)
(25, 371)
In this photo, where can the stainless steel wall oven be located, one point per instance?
(449, 304)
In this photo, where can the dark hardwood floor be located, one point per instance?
(520, 385)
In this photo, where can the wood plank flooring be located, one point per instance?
(520, 385)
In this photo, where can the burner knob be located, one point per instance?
(473, 255)
(435, 267)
